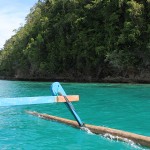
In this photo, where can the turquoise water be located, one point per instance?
(121, 106)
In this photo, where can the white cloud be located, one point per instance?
(12, 15)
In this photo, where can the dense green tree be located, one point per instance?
(89, 39)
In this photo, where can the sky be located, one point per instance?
(12, 16)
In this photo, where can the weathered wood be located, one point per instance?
(71, 98)
(118, 134)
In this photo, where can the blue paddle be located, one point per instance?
(56, 90)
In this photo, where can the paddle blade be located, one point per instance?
(56, 89)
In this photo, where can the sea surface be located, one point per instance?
(121, 106)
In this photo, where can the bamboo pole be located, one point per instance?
(118, 134)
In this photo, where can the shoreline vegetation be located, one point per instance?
(81, 41)
(84, 80)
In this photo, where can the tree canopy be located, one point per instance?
(80, 39)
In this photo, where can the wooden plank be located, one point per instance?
(71, 98)
(118, 134)
(35, 100)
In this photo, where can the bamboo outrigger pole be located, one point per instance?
(36, 100)
(118, 134)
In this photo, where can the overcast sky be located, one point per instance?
(12, 15)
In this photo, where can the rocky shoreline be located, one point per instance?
(119, 79)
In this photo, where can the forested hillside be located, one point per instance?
(81, 40)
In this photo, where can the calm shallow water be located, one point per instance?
(121, 106)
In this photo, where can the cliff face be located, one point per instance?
(101, 41)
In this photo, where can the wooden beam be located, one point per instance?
(71, 98)
(36, 100)
(118, 134)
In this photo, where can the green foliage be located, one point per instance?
(89, 38)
